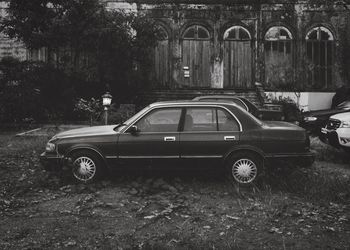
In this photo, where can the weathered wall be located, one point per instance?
(257, 17)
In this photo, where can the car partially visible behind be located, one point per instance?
(269, 112)
(313, 121)
(337, 131)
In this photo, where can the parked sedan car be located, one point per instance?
(268, 112)
(315, 120)
(337, 131)
(180, 132)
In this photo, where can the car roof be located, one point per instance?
(223, 97)
(216, 96)
(190, 103)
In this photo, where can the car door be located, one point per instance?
(208, 133)
(157, 137)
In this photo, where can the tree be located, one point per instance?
(86, 40)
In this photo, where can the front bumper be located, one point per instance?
(52, 162)
(336, 138)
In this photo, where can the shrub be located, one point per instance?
(290, 109)
(88, 109)
(34, 91)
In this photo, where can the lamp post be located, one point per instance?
(106, 102)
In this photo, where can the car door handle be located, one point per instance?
(169, 138)
(230, 138)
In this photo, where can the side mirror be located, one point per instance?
(134, 130)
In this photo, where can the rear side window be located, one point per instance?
(209, 119)
(200, 119)
(226, 122)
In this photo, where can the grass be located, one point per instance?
(290, 209)
(327, 180)
(325, 152)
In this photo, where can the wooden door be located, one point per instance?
(161, 63)
(196, 56)
(237, 64)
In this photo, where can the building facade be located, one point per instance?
(231, 44)
(286, 45)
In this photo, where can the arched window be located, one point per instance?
(237, 58)
(320, 52)
(196, 32)
(161, 58)
(196, 52)
(278, 47)
(237, 33)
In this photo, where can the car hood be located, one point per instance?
(280, 125)
(87, 131)
(342, 116)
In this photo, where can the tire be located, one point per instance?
(87, 166)
(245, 168)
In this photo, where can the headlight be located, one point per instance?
(310, 119)
(345, 125)
(50, 147)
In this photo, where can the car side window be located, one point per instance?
(226, 122)
(200, 119)
(160, 120)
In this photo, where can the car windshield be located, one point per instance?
(344, 105)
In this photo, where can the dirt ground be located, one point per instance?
(291, 209)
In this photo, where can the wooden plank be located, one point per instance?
(192, 60)
(206, 59)
(161, 63)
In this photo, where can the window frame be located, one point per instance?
(318, 29)
(236, 27)
(195, 38)
(163, 31)
(283, 48)
(280, 27)
(317, 69)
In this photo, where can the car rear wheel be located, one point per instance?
(244, 168)
(86, 166)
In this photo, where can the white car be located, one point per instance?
(337, 131)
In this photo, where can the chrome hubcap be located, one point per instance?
(244, 171)
(84, 168)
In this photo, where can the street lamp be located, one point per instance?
(106, 102)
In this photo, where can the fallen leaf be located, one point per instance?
(232, 217)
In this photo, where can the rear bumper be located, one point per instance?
(51, 162)
(302, 159)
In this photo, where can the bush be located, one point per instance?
(35, 91)
(19, 92)
(88, 109)
(290, 109)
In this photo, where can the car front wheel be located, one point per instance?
(86, 166)
(244, 168)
